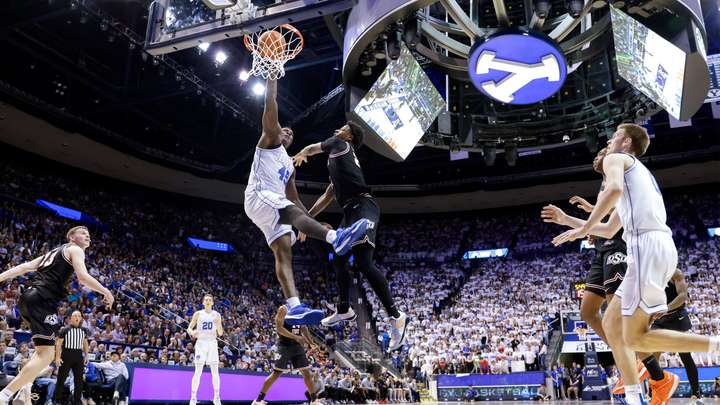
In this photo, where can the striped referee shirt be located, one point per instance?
(73, 338)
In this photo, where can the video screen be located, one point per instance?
(183, 14)
(401, 105)
(713, 62)
(650, 63)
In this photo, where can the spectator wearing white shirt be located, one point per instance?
(116, 373)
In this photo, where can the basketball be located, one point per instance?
(271, 45)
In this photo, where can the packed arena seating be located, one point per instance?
(467, 316)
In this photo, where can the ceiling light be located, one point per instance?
(244, 75)
(258, 89)
(203, 47)
(220, 58)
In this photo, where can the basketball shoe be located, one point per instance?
(303, 315)
(661, 391)
(643, 375)
(336, 318)
(353, 233)
(397, 333)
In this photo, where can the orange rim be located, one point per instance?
(252, 46)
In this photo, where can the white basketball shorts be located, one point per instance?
(262, 207)
(651, 262)
(206, 352)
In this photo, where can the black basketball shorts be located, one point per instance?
(677, 321)
(357, 209)
(41, 314)
(291, 357)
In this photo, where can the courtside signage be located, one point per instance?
(517, 67)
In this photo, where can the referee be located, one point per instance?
(71, 350)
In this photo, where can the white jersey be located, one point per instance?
(271, 170)
(641, 207)
(206, 326)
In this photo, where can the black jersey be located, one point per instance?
(615, 243)
(286, 341)
(345, 172)
(53, 274)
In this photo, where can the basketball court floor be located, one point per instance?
(674, 401)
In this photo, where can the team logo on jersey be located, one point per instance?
(616, 258)
(284, 174)
(517, 67)
(51, 319)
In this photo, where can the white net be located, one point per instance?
(270, 51)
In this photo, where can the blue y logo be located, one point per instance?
(284, 174)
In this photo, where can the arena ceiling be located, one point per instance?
(72, 66)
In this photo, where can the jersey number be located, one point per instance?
(49, 258)
(207, 326)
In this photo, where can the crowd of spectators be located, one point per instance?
(466, 316)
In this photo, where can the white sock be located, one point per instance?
(632, 389)
(292, 302)
(331, 236)
(6, 394)
(714, 344)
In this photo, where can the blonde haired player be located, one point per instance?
(651, 256)
(38, 304)
(206, 326)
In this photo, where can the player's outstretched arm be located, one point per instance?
(191, 327)
(77, 258)
(292, 194)
(21, 269)
(270, 121)
(306, 152)
(323, 201)
(555, 215)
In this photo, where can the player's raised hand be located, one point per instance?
(299, 159)
(552, 214)
(108, 299)
(569, 236)
(581, 203)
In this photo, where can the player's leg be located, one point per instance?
(624, 357)
(215, 371)
(309, 383)
(267, 384)
(282, 250)
(43, 356)
(213, 362)
(692, 373)
(590, 312)
(343, 311)
(341, 239)
(640, 338)
(200, 359)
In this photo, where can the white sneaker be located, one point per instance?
(336, 318)
(216, 401)
(24, 396)
(256, 402)
(193, 401)
(397, 332)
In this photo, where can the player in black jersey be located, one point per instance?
(348, 188)
(38, 304)
(676, 318)
(291, 352)
(607, 268)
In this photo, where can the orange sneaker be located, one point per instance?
(661, 391)
(643, 375)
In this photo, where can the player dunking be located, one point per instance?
(348, 187)
(652, 258)
(206, 326)
(38, 304)
(273, 204)
(291, 352)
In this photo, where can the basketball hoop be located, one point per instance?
(271, 49)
